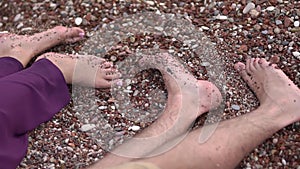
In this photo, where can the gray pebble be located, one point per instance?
(235, 107)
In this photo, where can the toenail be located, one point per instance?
(81, 34)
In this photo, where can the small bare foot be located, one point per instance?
(271, 86)
(24, 48)
(84, 70)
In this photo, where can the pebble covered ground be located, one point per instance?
(239, 29)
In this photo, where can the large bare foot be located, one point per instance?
(271, 86)
(187, 99)
(84, 70)
(24, 48)
(181, 82)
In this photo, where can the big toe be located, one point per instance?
(74, 34)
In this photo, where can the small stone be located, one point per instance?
(205, 64)
(283, 161)
(275, 140)
(20, 25)
(278, 22)
(277, 30)
(287, 22)
(17, 17)
(63, 14)
(257, 27)
(44, 17)
(1, 24)
(205, 28)
(134, 128)
(254, 13)
(248, 7)
(296, 55)
(275, 59)
(265, 32)
(78, 21)
(235, 107)
(221, 17)
(150, 3)
(243, 48)
(87, 127)
(113, 58)
(296, 24)
(270, 8)
(295, 30)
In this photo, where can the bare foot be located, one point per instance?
(84, 70)
(271, 86)
(187, 99)
(181, 82)
(24, 48)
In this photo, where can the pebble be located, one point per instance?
(87, 127)
(297, 55)
(254, 13)
(205, 64)
(275, 140)
(287, 22)
(78, 21)
(257, 27)
(296, 24)
(278, 22)
(270, 8)
(150, 3)
(248, 7)
(134, 128)
(283, 161)
(221, 17)
(265, 32)
(277, 30)
(20, 25)
(17, 17)
(235, 107)
(1, 24)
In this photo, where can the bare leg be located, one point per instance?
(177, 117)
(91, 71)
(24, 48)
(279, 98)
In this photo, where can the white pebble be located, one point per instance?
(87, 127)
(134, 128)
(17, 17)
(221, 17)
(283, 161)
(270, 8)
(296, 23)
(248, 7)
(296, 54)
(150, 3)
(204, 28)
(78, 21)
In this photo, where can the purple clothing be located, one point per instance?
(28, 98)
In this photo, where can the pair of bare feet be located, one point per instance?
(24, 48)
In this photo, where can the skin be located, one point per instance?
(279, 106)
(24, 48)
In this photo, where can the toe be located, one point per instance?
(251, 65)
(256, 64)
(106, 65)
(74, 34)
(247, 67)
(241, 68)
(263, 63)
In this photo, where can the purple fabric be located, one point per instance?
(9, 65)
(27, 98)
